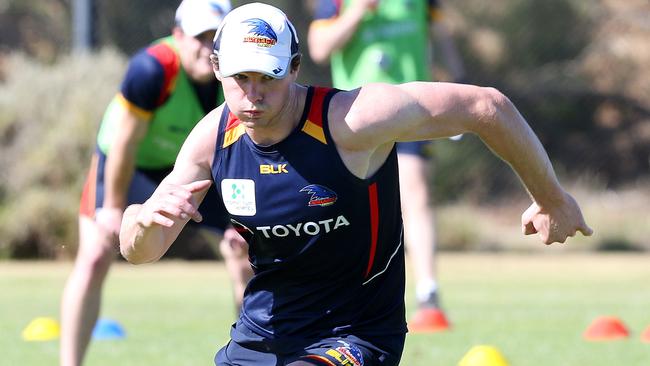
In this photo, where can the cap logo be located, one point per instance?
(217, 9)
(260, 33)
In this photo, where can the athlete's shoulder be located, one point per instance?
(365, 117)
(164, 53)
(150, 74)
(143, 81)
(340, 101)
(150, 62)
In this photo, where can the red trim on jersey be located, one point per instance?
(170, 63)
(89, 194)
(316, 108)
(339, 5)
(374, 224)
(232, 121)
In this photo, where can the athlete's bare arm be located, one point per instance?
(365, 123)
(149, 229)
(329, 35)
(119, 168)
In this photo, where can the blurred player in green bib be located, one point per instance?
(390, 41)
(168, 87)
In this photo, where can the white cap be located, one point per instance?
(255, 38)
(197, 16)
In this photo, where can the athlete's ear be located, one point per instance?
(215, 65)
(177, 32)
(295, 62)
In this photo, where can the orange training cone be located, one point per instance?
(483, 356)
(645, 336)
(428, 320)
(606, 328)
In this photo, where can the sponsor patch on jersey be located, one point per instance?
(273, 169)
(320, 196)
(311, 228)
(239, 196)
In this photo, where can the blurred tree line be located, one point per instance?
(577, 70)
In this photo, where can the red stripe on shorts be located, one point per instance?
(89, 194)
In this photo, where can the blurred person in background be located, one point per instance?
(168, 87)
(391, 41)
(309, 177)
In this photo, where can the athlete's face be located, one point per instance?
(257, 99)
(195, 54)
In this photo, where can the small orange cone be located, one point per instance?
(483, 356)
(645, 336)
(606, 328)
(428, 320)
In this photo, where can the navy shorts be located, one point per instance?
(418, 148)
(335, 351)
(143, 184)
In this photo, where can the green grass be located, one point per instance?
(533, 308)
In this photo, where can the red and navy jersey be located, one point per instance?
(325, 245)
(151, 75)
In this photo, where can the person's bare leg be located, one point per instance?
(82, 294)
(419, 225)
(234, 250)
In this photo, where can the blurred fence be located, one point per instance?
(576, 69)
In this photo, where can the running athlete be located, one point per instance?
(168, 87)
(390, 41)
(309, 178)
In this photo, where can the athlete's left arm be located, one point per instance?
(149, 229)
(379, 114)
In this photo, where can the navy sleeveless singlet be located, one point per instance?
(325, 245)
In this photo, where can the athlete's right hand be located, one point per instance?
(172, 202)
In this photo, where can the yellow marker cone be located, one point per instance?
(483, 356)
(41, 329)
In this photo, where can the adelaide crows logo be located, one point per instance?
(320, 196)
(216, 9)
(260, 33)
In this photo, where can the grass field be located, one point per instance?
(533, 308)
